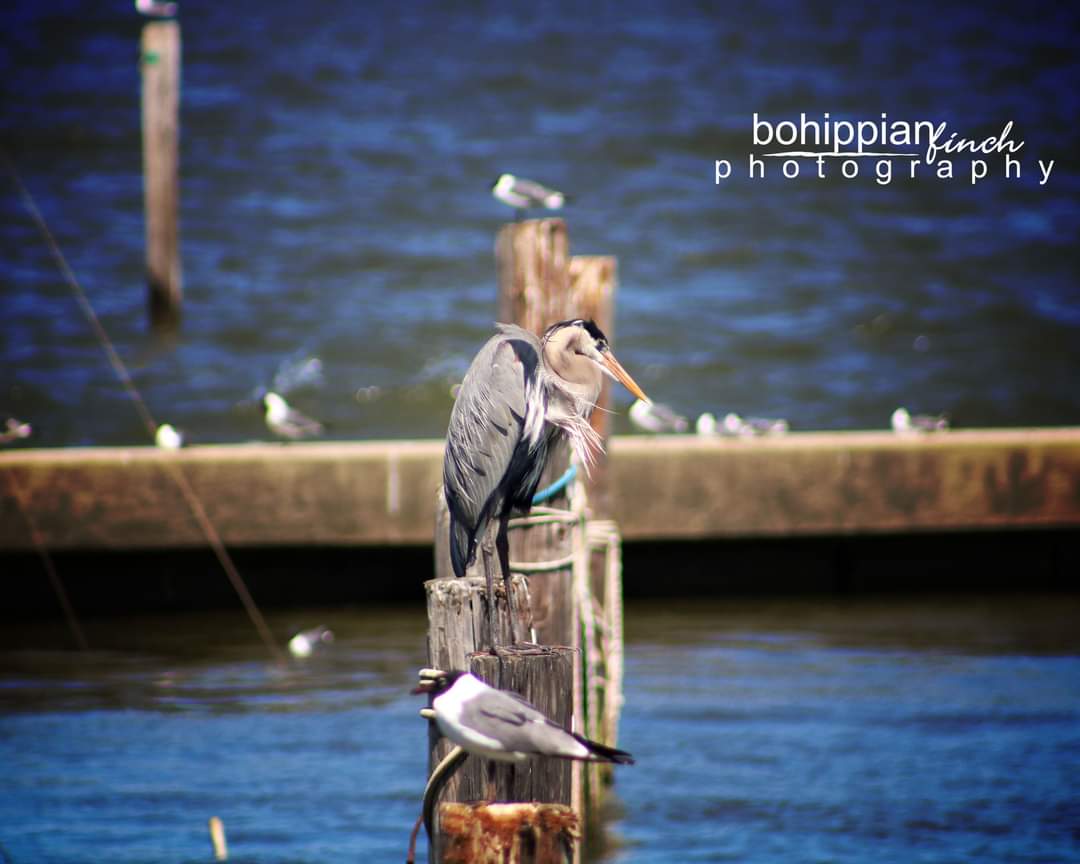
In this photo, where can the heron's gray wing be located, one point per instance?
(486, 441)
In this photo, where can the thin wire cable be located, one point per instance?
(173, 469)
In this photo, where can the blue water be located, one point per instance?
(887, 731)
(335, 165)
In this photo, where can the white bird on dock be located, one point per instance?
(168, 437)
(736, 426)
(304, 643)
(15, 430)
(284, 420)
(155, 8)
(522, 194)
(500, 725)
(706, 424)
(904, 422)
(657, 417)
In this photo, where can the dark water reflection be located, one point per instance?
(335, 169)
(893, 730)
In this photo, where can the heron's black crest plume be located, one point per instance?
(586, 324)
(594, 331)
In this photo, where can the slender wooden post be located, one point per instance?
(532, 259)
(161, 159)
(217, 839)
(538, 286)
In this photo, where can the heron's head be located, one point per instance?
(578, 352)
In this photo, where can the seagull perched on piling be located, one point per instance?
(904, 422)
(522, 194)
(657, 417)
(284, 420)
(500, 725)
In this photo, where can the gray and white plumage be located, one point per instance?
(657, 417)
(519, 394)
(706, 424)
(501, 725)
(284, 420)
(735, 426)
(156, 8)
(523, 194)
(168, 437)
(904, 422)
(306, 642)
(15, 430)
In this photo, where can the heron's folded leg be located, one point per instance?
(502, 544)
(487, 553)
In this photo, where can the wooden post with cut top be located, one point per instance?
(539, 284)
(160, 72)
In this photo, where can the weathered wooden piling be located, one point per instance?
(508, 833)
(458, 636)
(533, 267)
(160, 72)
(538, 285)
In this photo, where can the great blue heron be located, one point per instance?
(519, 395)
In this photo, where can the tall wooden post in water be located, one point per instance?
(539, 284)
(160, 72)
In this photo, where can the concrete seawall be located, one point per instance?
(664, 488)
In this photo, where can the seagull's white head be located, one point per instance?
(277, 409)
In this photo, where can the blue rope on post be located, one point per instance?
(556, 487)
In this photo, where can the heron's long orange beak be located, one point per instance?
(622, 376)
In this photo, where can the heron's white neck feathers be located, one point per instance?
(570, 413)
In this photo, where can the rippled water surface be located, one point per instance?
(335, 166)
(892, 730)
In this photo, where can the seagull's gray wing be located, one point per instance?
(532, 189)
(304, 425)
(518, 725)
